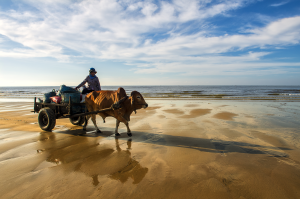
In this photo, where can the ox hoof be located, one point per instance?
(117, 134)
(129, 134)
(98, 131)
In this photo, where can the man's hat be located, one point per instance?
(92, 70)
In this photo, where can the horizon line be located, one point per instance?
(174, 85)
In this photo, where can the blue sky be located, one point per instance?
(132, 42)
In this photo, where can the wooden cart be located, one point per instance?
(76, 112)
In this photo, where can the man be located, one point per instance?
(93, 82)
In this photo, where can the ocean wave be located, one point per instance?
(177, 92)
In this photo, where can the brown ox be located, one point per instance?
(98, 100)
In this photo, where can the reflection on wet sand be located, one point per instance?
(83, 154)
(133, 170)
(247, 155)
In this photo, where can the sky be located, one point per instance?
(151, 42)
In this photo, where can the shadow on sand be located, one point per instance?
(200, 144)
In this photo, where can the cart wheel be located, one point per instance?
(46, 119)
(77, 120)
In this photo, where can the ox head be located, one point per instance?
(137, 101)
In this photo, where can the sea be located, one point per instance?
(233, 92)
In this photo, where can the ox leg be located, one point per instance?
(117, 126)
(86, 122)
(95, 124)
(128, 129)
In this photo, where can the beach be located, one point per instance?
(180, 148)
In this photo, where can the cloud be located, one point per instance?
(90, 26)
(165, 36)
(223, 69)
(279, 4)
(249, 63)
(279, 33)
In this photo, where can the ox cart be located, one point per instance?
(76, 112)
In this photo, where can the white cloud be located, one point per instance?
(279, 4)
(91, 27)
(119, 30)
(219, 65)
(212, 68)
(279, 33)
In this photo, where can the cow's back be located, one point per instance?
(101, 99)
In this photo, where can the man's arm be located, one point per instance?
(82, 83)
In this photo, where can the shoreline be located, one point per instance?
(228, 92)
(245, 99)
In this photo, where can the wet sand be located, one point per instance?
(179, 149)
